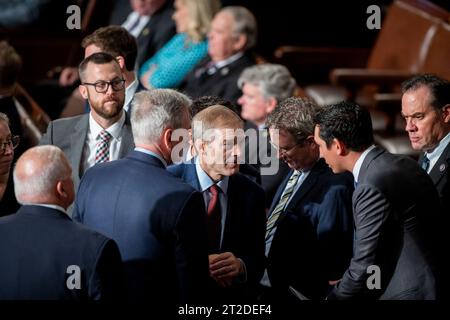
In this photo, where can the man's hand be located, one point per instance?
(68, 76)
(224, 267)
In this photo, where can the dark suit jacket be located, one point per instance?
(222, 83)
(313, 240)
(70, 134)
(396, 213)
(38, 245)
(159, 30)
(440, 174)
(244, 228)
(157, 221)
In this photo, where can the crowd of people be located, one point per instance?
(271, 199)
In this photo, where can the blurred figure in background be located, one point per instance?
(169, 66)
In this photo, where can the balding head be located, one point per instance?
(43, 175)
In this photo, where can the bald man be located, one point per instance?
(44, 254)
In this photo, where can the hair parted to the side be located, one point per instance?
(96, 58)
(439, 88)
(347, 122)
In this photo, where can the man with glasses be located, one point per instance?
(309, 226)
(7, 145)
(105, 133)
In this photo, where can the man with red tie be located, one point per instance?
(235, 205)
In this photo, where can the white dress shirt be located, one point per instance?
(91, 141)
(434, 155)
(131, 20)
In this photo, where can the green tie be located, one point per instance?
(290, 186)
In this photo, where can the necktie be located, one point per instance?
(132, 28)
(288, 190)
(214, 220)
(425, 163)
(102, 149)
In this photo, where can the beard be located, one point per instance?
(109, 107)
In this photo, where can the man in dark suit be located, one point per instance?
(150, 22)
(44, 254)
(235, 216)
(396, 212)
(309, 228)
(263, 87)
(426, 109)
(105, 133)
(157, 220)
(233, 33)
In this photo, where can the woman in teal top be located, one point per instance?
(169, 66)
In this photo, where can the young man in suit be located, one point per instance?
(44, 254)
(156, 219)
(309, 227)
(426, 109)
(233, 34)
(105, 133)
(396, 212)
(235, 215)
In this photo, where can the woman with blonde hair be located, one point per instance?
(168, 67)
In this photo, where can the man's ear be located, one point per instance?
(121, 61)
(271, 104)
(240, 42)
(340, 147)
(61, 191)
(83, 91)
(446, 113)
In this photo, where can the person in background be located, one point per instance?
(233, 34)
(169, 66)
(8, 143)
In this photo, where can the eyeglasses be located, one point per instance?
(13, 142)
(284, 150)
(103, 86)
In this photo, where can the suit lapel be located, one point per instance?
(377, 151)
(127, 138)
(77, 140)
(441, 166)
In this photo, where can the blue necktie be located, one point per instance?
(425, 163)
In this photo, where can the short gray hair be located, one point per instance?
(4, 117)
(244, 23)
(296, 116)
(54, 167)
(274, 80)
(155, 110)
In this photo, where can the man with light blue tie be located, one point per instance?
(309, 227)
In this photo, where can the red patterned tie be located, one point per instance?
(214, 220)
(102, 149)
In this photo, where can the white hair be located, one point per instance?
(155, 110)
(40, 180)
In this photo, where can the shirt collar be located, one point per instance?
(230, 60)
(51, 206)
(129, 94)
(113, 130)
(359, 162)
(151, 153)
(206, 181)
(436, 153)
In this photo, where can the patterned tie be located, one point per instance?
(425, 163)
(102, 149)
(214, 220)
(290, 186)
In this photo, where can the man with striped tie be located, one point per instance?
(309, 225)
(102, 135)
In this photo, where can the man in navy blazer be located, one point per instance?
(309, 227)
(44, 254)
(236, 240)
(396, 210)
(157, 220)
